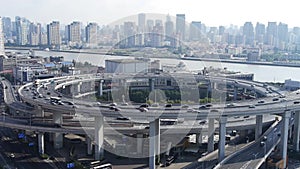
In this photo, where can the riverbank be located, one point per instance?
(241, 62)
(184, 58)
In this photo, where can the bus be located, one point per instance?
(168, 121)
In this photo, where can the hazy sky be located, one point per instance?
(210, 12)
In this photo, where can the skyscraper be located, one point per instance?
(129, 34)
(195, 30)
(260, 31)
(248, 32)
(2, 52)
(53, 33)
(169, 27)
(7, 28)
(180, 26)
(271, 37)
(141, 22)
(282, 32)
(21, 30)
(91, 32)
(73, 31)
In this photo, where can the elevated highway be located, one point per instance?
(275, 102)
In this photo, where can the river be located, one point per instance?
(263, 73)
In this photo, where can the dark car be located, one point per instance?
(168, 105)
(144, 105)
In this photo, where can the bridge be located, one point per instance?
(275, 102)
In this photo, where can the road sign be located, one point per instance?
(21, 135)
(70, 165)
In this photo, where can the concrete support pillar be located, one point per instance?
(58, 137)
(41, 143)
(154, 143)
(89, 145)
(211, 131)
(284, 137)
(40, 111)
(235, 92)
(151, 84)
(198, 139)
(222, 133)
(57, 118)
(99, 137)
(296, 136)
(139, 148)
(101, 88)
(79, 88)
(259, 126)
(58, 140)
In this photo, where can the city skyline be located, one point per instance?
(212, 13)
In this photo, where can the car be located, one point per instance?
(143, 109)
(245, 117)
(202, 122)
(60, 103)
(155, 105)
(48, 93)
(262, 144)
(296, 102)
(275, 99)
(261, 101)
(230, 105)
(251, 106)
(113, 104)
(265, 138)
(34, 97)
(144, 105)
(185, 106)
(124, 104)
(208, 105)
(168, 105)
(59, 95)
(123, 118)
(12, 155)
(114, 108)
(203, 107)
(214, 111)
(40, 96)
(283, 100)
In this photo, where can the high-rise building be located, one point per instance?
(248, 32)
(34, 34)
(169, 27)
(221, 30)
(2, 52)
(195, 31)
(180, 26)
(21, 30)
(150, 24)
(282, 32)
(91, 32)
(260, 31)
(7, 28)
(271, 36)
(129, 34)
(53, 33)
(169, 32)
(73, 31)
(141, 22)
